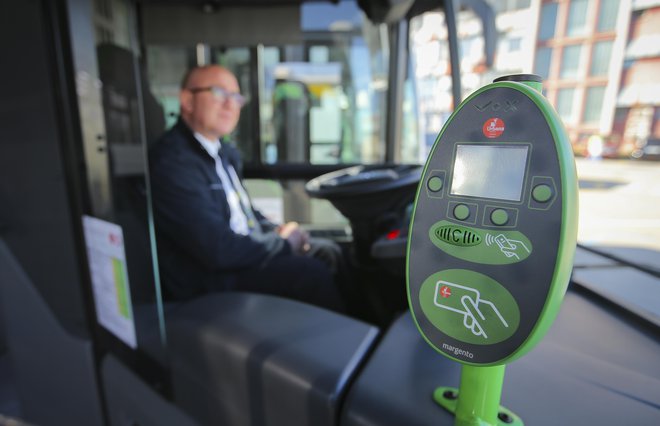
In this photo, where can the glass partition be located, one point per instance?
(119, 114)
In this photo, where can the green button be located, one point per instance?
(542, 193)
(435, 184)
(461, 212)
(499, 217)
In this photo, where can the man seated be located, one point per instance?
(209, 236)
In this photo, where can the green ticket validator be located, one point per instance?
(492, 236)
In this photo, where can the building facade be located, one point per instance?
(636, 123)
(599, 60)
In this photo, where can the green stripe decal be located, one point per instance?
(121, 286)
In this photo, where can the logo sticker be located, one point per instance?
(445, 291)
(493, 127)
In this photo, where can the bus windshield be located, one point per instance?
(318, 96)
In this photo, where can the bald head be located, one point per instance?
(195, 73)
(202, 108)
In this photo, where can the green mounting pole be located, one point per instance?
(477, 401)
(479, 395)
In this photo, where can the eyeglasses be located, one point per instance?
(221, 94)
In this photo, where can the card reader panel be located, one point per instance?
(487, 228)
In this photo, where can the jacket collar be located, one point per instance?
(199, 146)
(211, 146)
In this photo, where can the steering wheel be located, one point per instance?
(373, 199)
(363, 180)
(366, 192)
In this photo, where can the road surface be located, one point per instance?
(619, 203)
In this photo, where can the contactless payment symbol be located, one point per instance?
(509, 247)
(493, 127)
(469, 306)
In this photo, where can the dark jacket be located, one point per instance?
(197, 250)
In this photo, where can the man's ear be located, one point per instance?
(186, 101)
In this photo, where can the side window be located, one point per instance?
(412, 140)
(239, 61)
(166, 66)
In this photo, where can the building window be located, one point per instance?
(542, 62)
(467, 48)
(577, 18)
(570, 62)
(565, 102)
(502, 6)
(515, 44)
(548, 21)
(607, 15)
(593, 105)
(319, 54)
(600, 59)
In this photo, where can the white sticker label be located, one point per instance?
(107, 266)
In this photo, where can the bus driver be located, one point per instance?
(209, 236)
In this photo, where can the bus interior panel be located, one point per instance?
(334, 136)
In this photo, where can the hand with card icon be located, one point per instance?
(480, 316)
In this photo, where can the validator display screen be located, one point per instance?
(489, 171)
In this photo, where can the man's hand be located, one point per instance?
(295, 235)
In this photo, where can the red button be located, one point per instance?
(392, 235)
